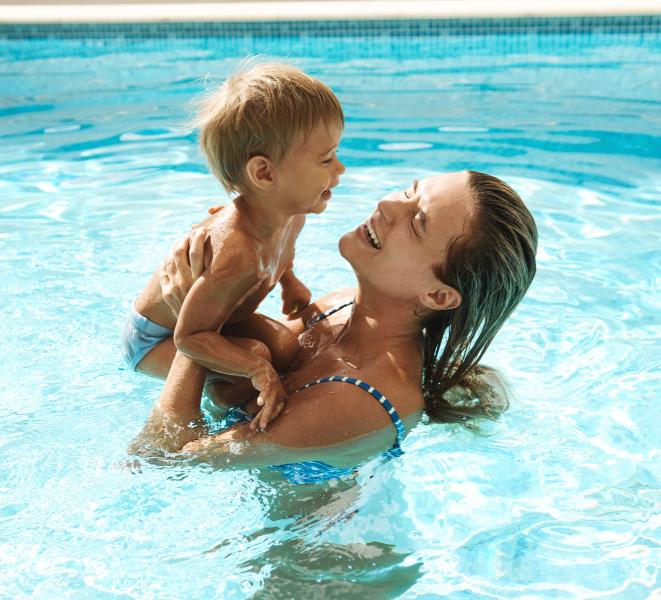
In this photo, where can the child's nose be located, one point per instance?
(340, 167)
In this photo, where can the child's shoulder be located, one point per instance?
(228, 241)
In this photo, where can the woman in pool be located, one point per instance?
(440, 266)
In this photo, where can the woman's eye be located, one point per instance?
(413, 225)
(406, 195)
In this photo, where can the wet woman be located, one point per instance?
(440, 266)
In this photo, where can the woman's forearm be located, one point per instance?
(175, 419)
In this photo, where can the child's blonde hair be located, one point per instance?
(259, 112)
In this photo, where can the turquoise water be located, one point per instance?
(99, 175)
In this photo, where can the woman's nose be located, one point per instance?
(392, 204)
(388, 207)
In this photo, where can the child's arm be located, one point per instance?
(209, 303)
(295, 294)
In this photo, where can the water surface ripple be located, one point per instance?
(99, 174)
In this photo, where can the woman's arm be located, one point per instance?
(175, 419)
(336, 423)
(339, 425)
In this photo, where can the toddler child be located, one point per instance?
(269, 134)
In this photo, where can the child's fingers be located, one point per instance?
(297, 309)
(256, 422)
(267, 414)
(265, 418)
(290, 308)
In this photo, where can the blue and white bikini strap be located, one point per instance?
(327, 313)
(389, 408)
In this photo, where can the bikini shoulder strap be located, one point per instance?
(327, 313)
(372, 391)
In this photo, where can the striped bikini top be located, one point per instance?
(314, 471)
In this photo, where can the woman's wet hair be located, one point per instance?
(491, 265)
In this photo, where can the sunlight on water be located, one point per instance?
(99, 175)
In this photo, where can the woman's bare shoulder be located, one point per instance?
(327, 422)
(299, 325)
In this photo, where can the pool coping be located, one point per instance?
(318, 10)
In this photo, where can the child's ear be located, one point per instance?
(259, 171)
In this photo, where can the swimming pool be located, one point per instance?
(99, 175)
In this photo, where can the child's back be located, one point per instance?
(228, 234)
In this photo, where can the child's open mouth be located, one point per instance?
(326, 195)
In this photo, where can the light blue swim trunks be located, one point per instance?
(140, 335)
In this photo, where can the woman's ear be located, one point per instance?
(443, 298)
(259, 171)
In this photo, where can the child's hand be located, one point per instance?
(295, 297)
(271, 397)
(212, 210)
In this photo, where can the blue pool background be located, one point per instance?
(99, 175)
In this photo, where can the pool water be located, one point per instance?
(99, 175)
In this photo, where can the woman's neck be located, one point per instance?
(376, 320)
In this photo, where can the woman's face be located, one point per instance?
(395, 249)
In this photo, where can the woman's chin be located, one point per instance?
(348, 246)
(344, 243)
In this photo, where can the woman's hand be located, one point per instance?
(184, 265)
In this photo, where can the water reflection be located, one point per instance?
(370, 570)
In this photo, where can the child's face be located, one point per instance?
(309, 170)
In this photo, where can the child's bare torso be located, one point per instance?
(271, 254)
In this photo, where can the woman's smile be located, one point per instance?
(371, 234)
(364, 235)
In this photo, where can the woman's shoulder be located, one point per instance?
(381, 393)
(340, 408)
(400, 378)
(327, 303)
(316, 311)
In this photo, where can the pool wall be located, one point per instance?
(125, 11)
(573, 29)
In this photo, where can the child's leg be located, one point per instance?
(224, 390)
(280, 341)
(158, 360)
(148, 346)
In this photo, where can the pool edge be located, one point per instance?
(314, 11)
